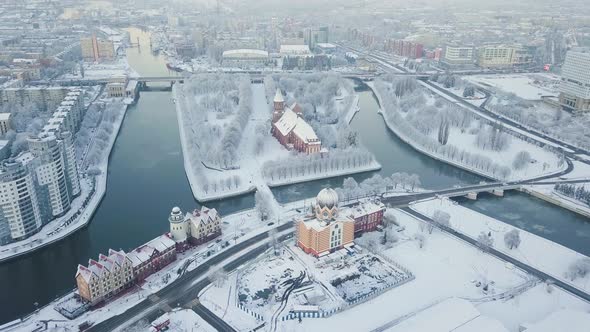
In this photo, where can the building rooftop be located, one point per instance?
(144, 252)
(4, 116)
(245, 53)
(295, 50)
(290, 121)
(363, 209)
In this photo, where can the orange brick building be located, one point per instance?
(328, 231)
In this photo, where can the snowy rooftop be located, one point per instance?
(287, 122)
(295, 49)
(144, 253)
(304, 131)
(452, 314)
(203, 216)
(245, 53)
(326, 45)
(363, 209)
(319, 225)
(25, 158)
(132, 85)
(290, 121)
(4, 116)
(278, 96)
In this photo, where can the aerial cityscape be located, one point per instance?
(310, 165)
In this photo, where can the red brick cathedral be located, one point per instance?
(290, 129)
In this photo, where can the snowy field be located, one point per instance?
(526, 86)
(540, 253)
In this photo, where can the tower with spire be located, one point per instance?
(279, 106)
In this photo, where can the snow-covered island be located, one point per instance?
(229, 140)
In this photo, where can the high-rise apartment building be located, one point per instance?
(575, 81)
(313, 36)
(19, 205)
(37, 185)
(46, 97)
(458, 56)
(4, 123)
(94, 49)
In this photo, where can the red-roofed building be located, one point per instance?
(290, 129)
(105, 277)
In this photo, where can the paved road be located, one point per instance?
(539, 274)
(184, 290)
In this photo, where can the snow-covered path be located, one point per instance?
(250, 164)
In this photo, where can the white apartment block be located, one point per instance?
(37, 185)
(4, 123)
(458, 55)
(18, 200)
(51, 173)
(47, 97)
(575, 81)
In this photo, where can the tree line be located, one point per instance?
(576, 192)
(303, 165)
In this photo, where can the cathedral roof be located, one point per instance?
(278, 96)
(327, 197)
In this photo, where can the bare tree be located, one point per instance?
(578, 269)
(485, 241)
(521, 160)
(512, 238)
(420, 239)
(442, 218)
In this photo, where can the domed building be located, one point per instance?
(194, 228)
(327, 231)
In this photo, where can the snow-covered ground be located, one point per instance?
(543, 161)
(187, 320)
(222, 301)
(100, 71)
(446, 267)
(525, 86)
(487, 117)
(540, 253)
(332, 283)
(79, 214)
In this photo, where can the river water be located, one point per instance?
(146, 179)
